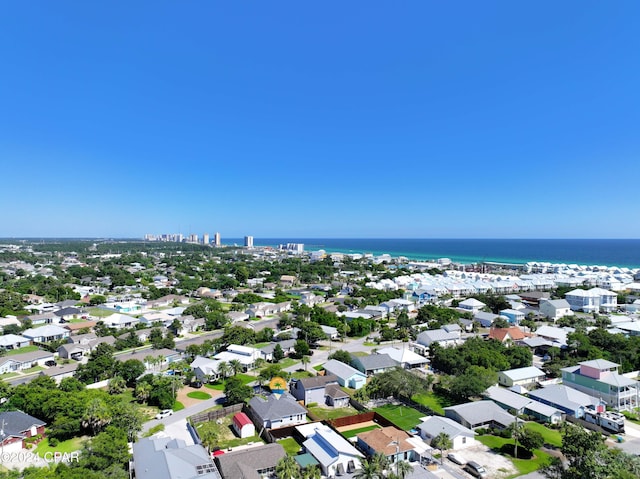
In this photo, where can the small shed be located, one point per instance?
(243, 425)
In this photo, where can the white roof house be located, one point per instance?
(520, 376)
(333, 452)
(47, 333)
(460, 436)
(246, 355)
(13, 341)
(555, 309)
(120, 321)
(471, 305)
(405, 357)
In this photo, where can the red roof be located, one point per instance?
(241, 419)
(219, 452)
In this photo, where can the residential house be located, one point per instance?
(276, 411)
(164, 355)
(75, 327)
(485, 319)
(13, 341)
(310, 299)
(336, 397)
(514, 316)
(252, 463)
(205, 369)
(167, 458)
(557, 336)
(555, 309)
(520, 404)
(373, 363)
(22, 361)
(389, 441)
(459, 435)
(245, 354)
(288, 280)
(512, 334)
(600, 377)
(312, 390)
(330, 331)
(16, 428)
(262, 309)
(60, 371)
(440, 336)
(47, 333)
(520, 376)
(9, 320)
(479, 414)
(471, 305)
(347, 376)
(67, 314)
(120, 321)
(570, 401)
(167, 300)
(594, 300)
(73, 351)
(43, 318)
(406, 358)
(287, 346)
(335, 455)
(243, 426)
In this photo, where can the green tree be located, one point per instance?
(117, 385)
(235, 391)
(278, 353)
(442, 442)
(288, 468)
(96, 416)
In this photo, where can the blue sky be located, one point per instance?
(422, 119)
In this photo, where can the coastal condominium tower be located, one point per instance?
(248, 241)
(205, 238)
(216, 240)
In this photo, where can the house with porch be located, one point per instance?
(593, 300)
(277, 410)
(568, 400)
(47, 333)
(600, 378)
(459, 435)
(16, 428)
(514, 402)
(9, 342)
(389, 441)
(245, 354)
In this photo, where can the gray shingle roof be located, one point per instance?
(481, 412)
(17, 422)
(340, 369)
(244, 464)
(376, 361)
(274, 407)
(168, 458)
(318, 381)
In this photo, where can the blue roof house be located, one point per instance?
(347, 376)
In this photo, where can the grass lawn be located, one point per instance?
(551, 437)
(524, 466)
(354, 432)
(302, 374)
(69, 445)
(404, 417)
(199, 395)
(287, 362)
(8, 375)
(224, 433)
(330, 413)
(178, 406)
(360, 353)
(290, 446)
(219, 385)
(319, 367)
(433, 401)
(26, 349)
(99, 312)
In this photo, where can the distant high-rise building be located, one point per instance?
(193, 238)
(216, 240)
(205, 238)
(248, 241)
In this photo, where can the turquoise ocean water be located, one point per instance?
(609, 252)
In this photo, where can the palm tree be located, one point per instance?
(403, 468)
(370, 470)
(96, 416)
(223, 369)
(381, 461)
(149, 360)
(443, 442)
(288, 468)
(311, 472)
(143, 389)
(305, 361)
(117, 384)
(236, 366)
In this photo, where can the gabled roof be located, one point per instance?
(163, 457)
(382, 440)
(245, 463)
(599, 364)
(472, 302)
(340, 369)
(66, 311)
(327, 446)
(317, 382)
(46, 330)
(16, 423)
(435, 335)
(241, 419)
(514, 332)
(481, 412)
(11, 339)
(564, 396)
(434, 425)
(404, 356)
(274, 407)
(519, 374)
(335, 392)
(376, 361)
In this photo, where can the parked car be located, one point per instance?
(164, 413)
(457, 459)
(50, 363)
(476, 470)
(196, 384)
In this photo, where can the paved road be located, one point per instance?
(184, 413)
